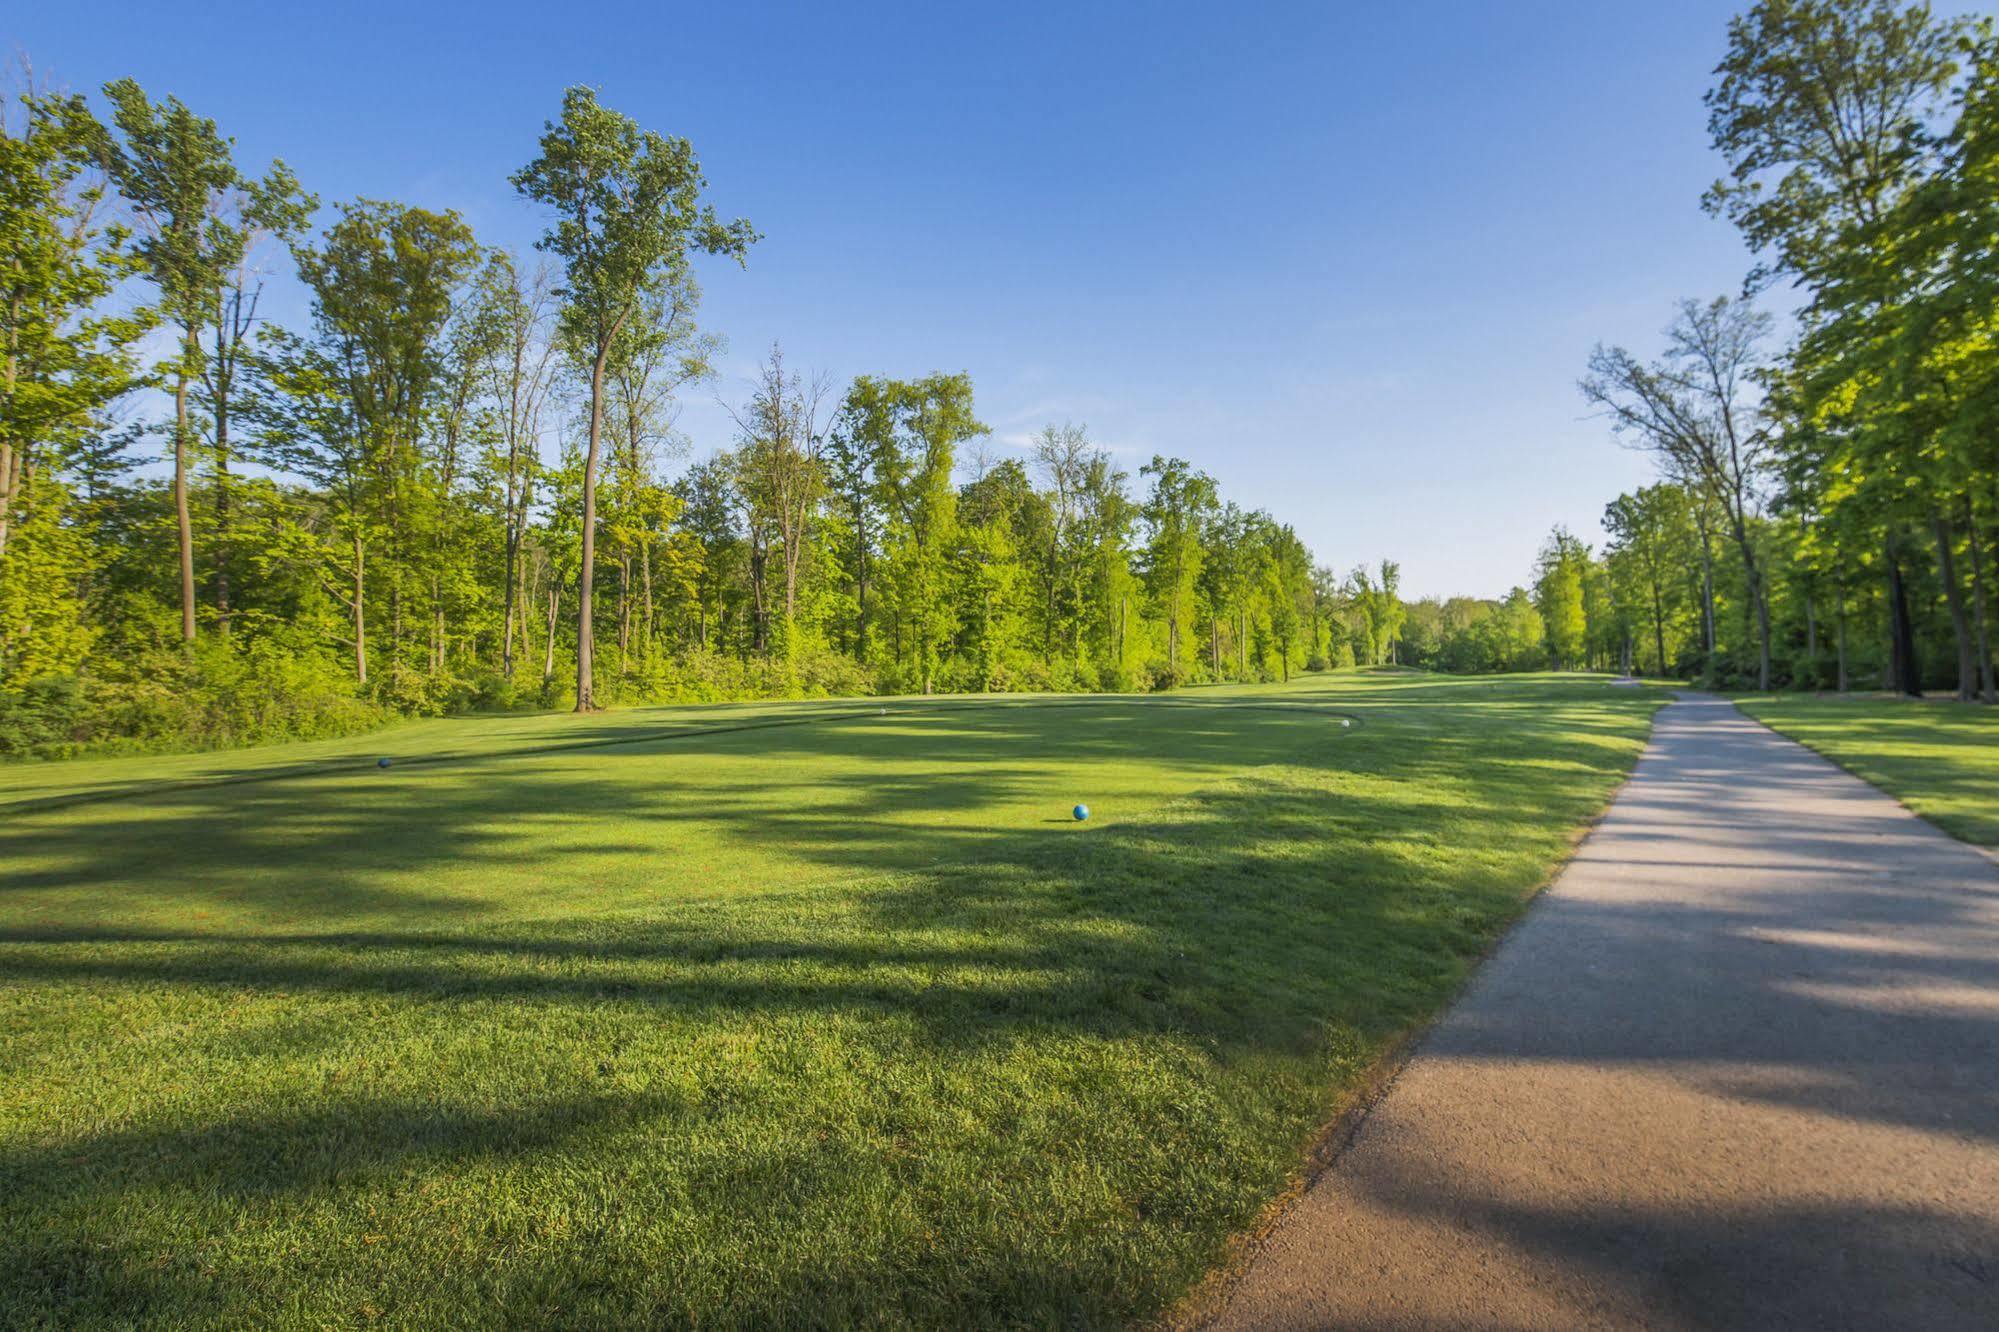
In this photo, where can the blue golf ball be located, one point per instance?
(381, 763)
(1081, 812)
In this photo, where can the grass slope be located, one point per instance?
(835, 1023)
(1939, 759)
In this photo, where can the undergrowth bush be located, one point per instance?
(213, 695)
(223, 692)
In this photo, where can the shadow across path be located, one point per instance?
(1738, 1068)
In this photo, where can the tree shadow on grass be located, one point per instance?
(1268, 923)
(1265, 932)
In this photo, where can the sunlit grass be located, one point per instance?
(1940, 759)
(825, 1024)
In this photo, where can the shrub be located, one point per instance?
(215, 695)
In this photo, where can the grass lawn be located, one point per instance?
(794, 1015)
(1940, 759)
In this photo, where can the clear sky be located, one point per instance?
(1349, 258)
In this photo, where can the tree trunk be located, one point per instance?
(625, 614)
(526, 618)
(10, 484)
(759, 595)
(548, 640)
(1953, 595)
(585, 696)
(183, 519)
(1903, 673)
(793, 550)
(1812, 634)
(507, 634)
(222, 518)
(360, 612)
(860, 590)
(521, 600)
(1759, 597)
(1839, 593)
(1978, 600)
(11, 462)
(1123, 622)
(645, 589)
(1659, 624)
(1707, 592)
(1048, 616)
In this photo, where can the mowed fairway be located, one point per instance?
(1940, 759)
(841, 1022)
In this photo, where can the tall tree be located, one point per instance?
(198, 216)
(1696, 411)
(1822, 111)
(65, 362)
(515, 309)
(268, 215)
(994, 511)
(781, 434)
(860, 451)
(1063, 454)
(1105, 517)
(1558, 595)
(1649, 532)
(65, 358)
(386, 282)
(628, 208)
(1825, 112)
(656, 356)
(1176, 510)
(934, 418)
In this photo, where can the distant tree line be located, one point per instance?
(461, 482)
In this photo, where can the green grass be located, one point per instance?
(1940, 759)
(838, 1021)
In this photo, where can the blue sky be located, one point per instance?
(1347, 258)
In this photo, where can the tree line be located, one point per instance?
(461, 481)
(1826, 506)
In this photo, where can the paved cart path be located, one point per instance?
(1738, 1067)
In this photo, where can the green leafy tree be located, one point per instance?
(1652, 537)
(934, 418)
(1696, 411)
(386, 281)
(628, 209)
(994, 512)
(1063, 454)
(198, 217)
(1558, 596)
(1829, 116)
(66, 361)
(1176, 510)
(1105, 518)
(658, 354)
(860, 450)
(781, 476)
(1822, 113)
(513, 311)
